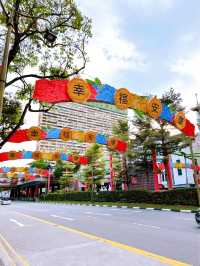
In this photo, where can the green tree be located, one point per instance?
(94, 172)
(121, 130)
(41, 164)
(67, 176)
(157, 135)
(32, 23)
(12, 110)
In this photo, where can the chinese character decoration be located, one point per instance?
(66, 134)
(12, 155)
(36, 155)
(34, 133)
(154, 108)
(78, 90)
(180, 120)
(56, 156)
(112, 143)
(90, 137)
(122, 98)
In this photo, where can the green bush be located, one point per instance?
(187, 196)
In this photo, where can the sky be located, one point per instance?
(147, 46)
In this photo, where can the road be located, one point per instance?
(39, 234)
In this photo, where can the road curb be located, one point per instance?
(135, 207)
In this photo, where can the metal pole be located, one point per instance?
(186, 173)
(195, 173)
(4, 68)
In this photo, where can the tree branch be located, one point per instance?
(21, 121)
(41, 110)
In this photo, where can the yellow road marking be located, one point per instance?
(138, 251)
(14, 252)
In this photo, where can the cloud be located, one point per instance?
(187, 79)
(108, 51)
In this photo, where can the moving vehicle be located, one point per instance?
(197, 216)
(5, 201)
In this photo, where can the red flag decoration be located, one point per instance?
(121, 146)
(3, 156)
(83, 160)
(19, 136)
(189, 129)
(51, 91)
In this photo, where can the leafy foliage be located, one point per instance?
(94, 172)
(32, 22)
(41, 164)
(157, 135)
(65, 56)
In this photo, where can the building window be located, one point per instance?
(179, 170)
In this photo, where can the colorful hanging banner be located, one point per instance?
(38, 155)
(66, 134)
(79, 90)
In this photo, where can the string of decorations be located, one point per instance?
(38, 155)
(67, 134)
(81, 91)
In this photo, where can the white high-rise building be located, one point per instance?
(97, 117)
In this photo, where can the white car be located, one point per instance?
(5, 201)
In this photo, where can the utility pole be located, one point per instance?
(195, 172)
(194, 163)
(4, 67)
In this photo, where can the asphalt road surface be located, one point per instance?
(39, 234)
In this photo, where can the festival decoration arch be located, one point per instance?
(66, 134)
(38, 155)
(81, 91)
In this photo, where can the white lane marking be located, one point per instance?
(126, 211)
(147, 225)
(62, 217)
(166, 209)
(104, 214)
(136, 207)
(98, 213)
(87, 212)
(16, 222)
(149, 208)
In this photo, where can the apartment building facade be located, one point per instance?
(98, 117)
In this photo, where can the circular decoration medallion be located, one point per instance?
(56, 156)
(65, 134)
(12, 155)
(36, 155)
(112, 143)
(90, 137)
(78, 90)
(123, 98)
(154, 107)
(180, 120)
(34, 133)
(75, 158)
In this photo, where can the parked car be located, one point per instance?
(197, 216)
(5, 201)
